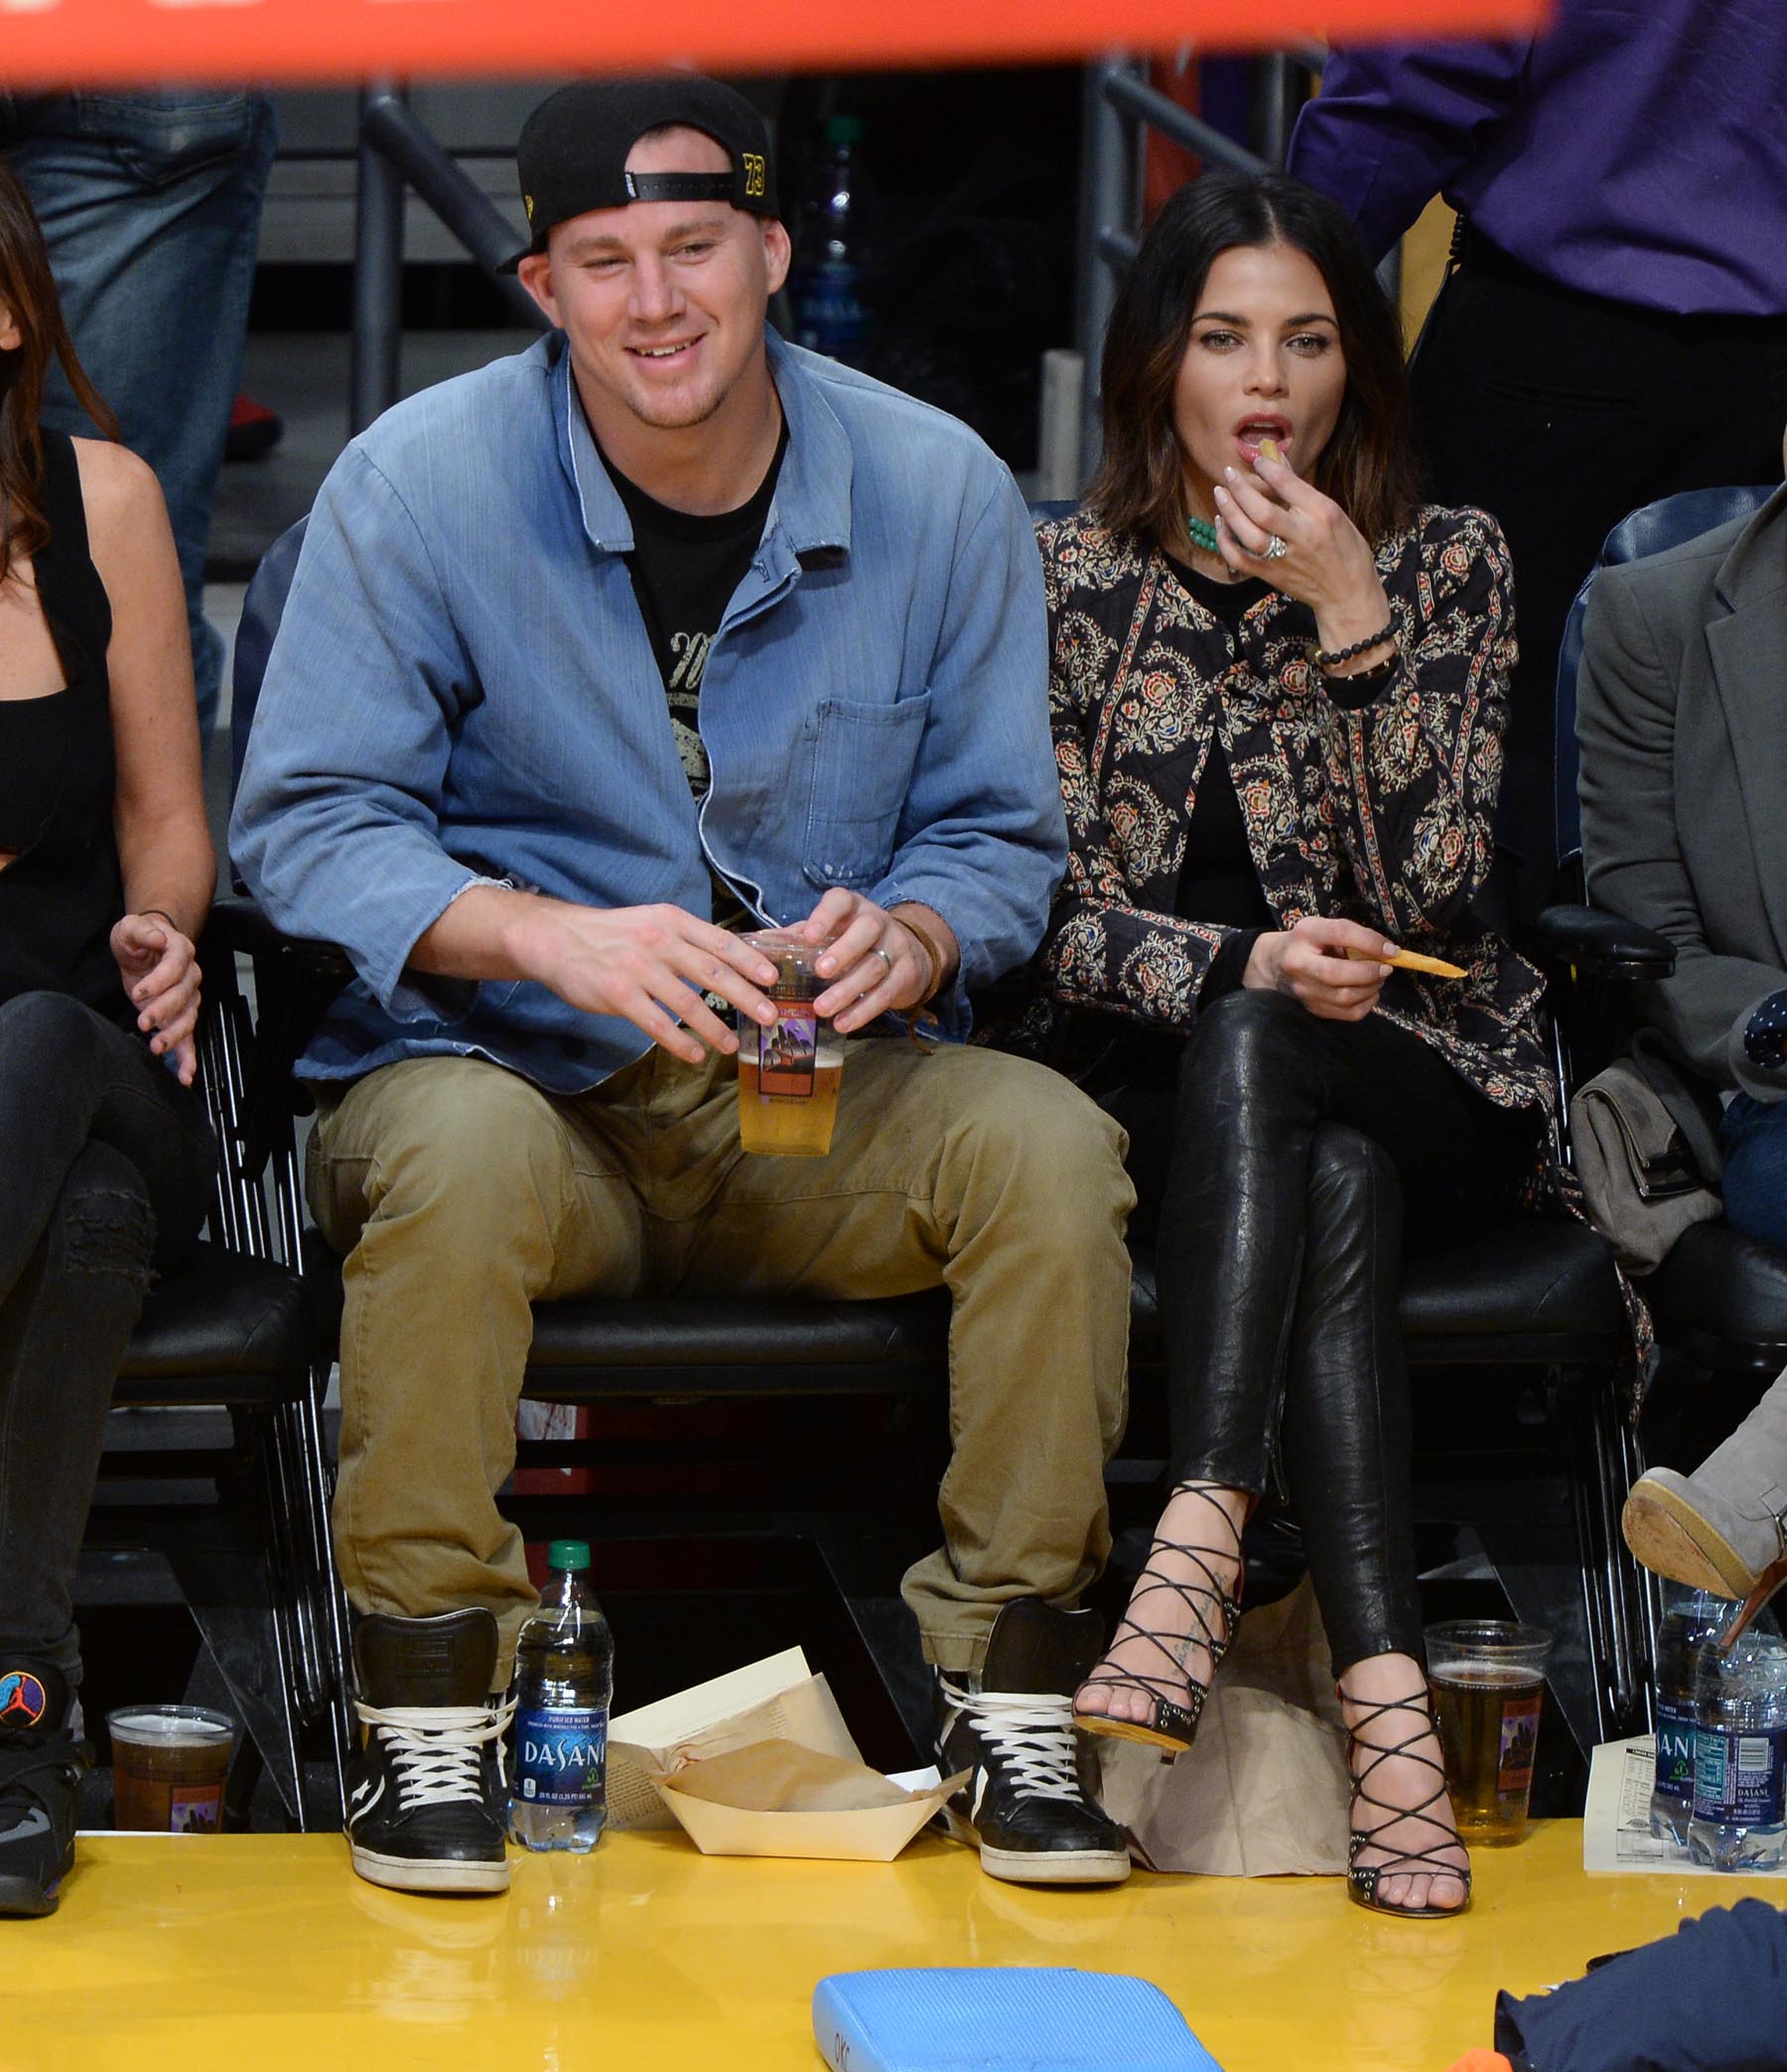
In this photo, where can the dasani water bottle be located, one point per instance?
(1690, 1618)
(565, 1679)
(1741, 1753)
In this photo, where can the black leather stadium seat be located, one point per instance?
(236, 1329)
(1720, 1298)
(223, 1330)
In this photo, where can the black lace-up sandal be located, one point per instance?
(1176, 1697)
(1431, 1861)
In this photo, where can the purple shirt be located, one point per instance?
(1638, 150)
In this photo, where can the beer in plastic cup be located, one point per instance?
(168, 1764)
(789, 1072)
(1487, 1677)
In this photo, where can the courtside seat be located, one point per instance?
(707, 1347)
(1525, 1292)
(223, 1330)
(1720, 1298)
(1529, 1292)
(232, 1330)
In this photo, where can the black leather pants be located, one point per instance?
(1300, 1151)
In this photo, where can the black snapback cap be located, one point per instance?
(572, 156)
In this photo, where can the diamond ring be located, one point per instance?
(1273, 550)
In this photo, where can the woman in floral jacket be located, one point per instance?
(1280, 689)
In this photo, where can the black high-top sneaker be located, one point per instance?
(427, 1798)
(1024, 1805)
(41, 1762)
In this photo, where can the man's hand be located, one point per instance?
(874, 965)
(161, 975)
(1310, 963)
(649, 965)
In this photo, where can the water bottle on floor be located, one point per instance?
(565, 1678)
(1741, 1753)
(1690, 1618)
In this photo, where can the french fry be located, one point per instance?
(1269, 448)
(1412, 960)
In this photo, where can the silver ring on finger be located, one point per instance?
(1274, 548)
(885, 959)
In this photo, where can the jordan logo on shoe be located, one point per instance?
(23, 1699)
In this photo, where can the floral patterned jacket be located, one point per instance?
(1383, 815)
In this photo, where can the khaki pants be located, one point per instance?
(461, 1194)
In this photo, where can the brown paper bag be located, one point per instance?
(777, 1799)
(776, 1699)
(1264, 1791)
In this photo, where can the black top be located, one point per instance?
(1217, 880)
(684, 571)
(58, 780)
(1229, 600)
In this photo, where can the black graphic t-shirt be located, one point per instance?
(684, 570)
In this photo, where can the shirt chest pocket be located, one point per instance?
(862, 758)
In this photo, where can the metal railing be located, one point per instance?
(397, 153)
(1120, 109)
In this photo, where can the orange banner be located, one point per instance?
(80, 41)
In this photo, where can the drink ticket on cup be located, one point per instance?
(787, 1054)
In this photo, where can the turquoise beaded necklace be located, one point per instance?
(1203, 535)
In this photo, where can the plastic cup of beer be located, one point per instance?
(789, 1072)
(1487, 1677)
(168, 1766)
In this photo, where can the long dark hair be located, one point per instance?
(28, 289)
(1367, 466)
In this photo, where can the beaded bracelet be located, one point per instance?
(1328, 658)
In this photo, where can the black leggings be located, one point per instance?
(1297, 1150)
(106, 1164)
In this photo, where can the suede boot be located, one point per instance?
(1722, 1528)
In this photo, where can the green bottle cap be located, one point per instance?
(570, 1555)
(844, 129)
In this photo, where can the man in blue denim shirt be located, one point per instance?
(465, 767)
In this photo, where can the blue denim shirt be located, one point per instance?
(463, 688)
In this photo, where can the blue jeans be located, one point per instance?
(150, 204)
(1753, 1145)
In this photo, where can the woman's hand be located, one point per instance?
(161, 974)
(1327, 563)
(1310, 963)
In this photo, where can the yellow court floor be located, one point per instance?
(262, 1952)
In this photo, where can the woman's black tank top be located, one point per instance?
(61, 896)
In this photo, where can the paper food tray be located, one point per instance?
(775, 1799)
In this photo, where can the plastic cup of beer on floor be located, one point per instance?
(1487, 1677)
(169, 1765)
(789, 1072)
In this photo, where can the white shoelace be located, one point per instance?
(1031, 1730)
(435, 1749)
